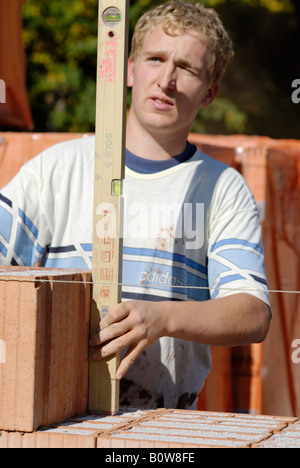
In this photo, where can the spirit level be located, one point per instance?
(109, 173)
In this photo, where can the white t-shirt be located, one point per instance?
(191, 232)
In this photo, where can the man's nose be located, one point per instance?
(167, 78)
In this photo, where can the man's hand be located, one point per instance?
(235, 320)
(132, 324)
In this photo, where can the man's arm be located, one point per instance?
(22, 221)
(234, 320)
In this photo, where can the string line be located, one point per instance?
(38, 279)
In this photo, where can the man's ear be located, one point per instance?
(130, 73)
(211, 95)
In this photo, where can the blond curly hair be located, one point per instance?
(177, 17)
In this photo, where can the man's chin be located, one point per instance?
(163, 124)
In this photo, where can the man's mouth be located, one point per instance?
(162, 103)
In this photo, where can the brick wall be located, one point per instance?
(44, 330)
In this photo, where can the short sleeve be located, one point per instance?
(235, 250)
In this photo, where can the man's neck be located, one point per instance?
(158, 146)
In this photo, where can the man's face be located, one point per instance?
(169, 82)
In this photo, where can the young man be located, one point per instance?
(193, 266)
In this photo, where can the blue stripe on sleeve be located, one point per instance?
(40, 249)
(24, 247)
(259, 279)
(244, 259)
(3, 250)
(5, 223)
(6, 200)
(225, 280)
(227, 242)
(28, 223)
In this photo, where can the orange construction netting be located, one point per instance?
(281, 388)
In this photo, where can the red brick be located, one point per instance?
(48, 439)
(44, 329)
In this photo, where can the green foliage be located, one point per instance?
(271, 5)
(222, 111)
(60, 37)
(61, 44)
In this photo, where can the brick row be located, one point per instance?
(135, 428)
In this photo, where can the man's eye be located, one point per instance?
(187, 69)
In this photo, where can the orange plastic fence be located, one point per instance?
(17, 148)
(281, 389)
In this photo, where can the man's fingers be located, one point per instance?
(127, 340)
(128, 360)
(116, 323)
(116, 313)
(108, 333)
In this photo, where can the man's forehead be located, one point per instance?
(157, 32)
(189, 44)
